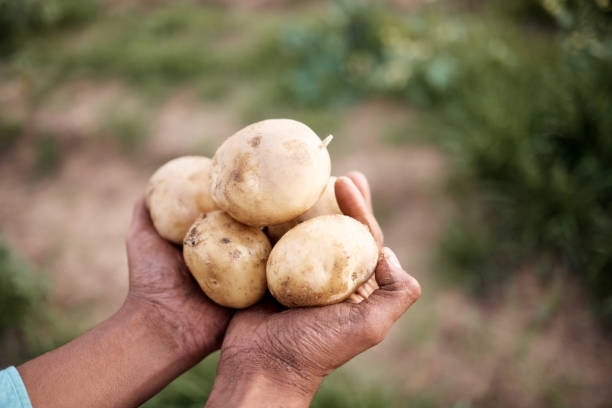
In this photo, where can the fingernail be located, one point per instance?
(341, 178)
(348, 180)
(391, 258)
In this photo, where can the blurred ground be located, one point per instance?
(73, 225)
(531, 344)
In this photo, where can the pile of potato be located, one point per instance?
(271, 177)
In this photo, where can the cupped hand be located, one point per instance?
(159, 280)
(294, 349)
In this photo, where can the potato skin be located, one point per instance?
(228, 259)
(326, 205)
(177, 193)
(321, 261)
(269, 172)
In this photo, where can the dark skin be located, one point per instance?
(270, 356)
(163, 282)
(165, 326)
(278, 357)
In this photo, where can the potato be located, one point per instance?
(177, 193)
(228, 259)
(321, 261)
(270, 172)
(327, 205)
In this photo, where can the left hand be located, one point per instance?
(161, 282)
(165, 326)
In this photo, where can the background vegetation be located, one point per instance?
(517, 94)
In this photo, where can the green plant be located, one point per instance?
(524, 112)
(168, 45)
(128, 128)
(536, 141)
(340, 390)
(47, 155)
(21, 296)
(21, 18)
(189, 390)
(30, 324)
(10, 131)
(20, 291)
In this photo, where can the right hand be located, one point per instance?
(273, 356)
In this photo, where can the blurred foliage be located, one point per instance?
(47, 155)
(21, 18)
(340, 390)
(21, 294)
(191, 389)
(524, 109)
(535, 141)
(169, 45)
(130, 129)
(10, 131)
(423, 58)
(27, 322)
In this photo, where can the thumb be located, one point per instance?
(398, 290)
(352, 203)
(141, 219)
(143, 241)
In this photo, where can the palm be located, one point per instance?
(158, 275)
(308, 340)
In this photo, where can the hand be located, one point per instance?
(278, 357)
(160, 281)
(165, 326)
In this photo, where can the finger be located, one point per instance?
(371, 284)
(364, 291)
(352, 203)
(142, 235)
(398, 290)
(361, 182)
(356, 297)
(141, 220)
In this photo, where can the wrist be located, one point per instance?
(123, 361)
(250, 383)
(167, 329)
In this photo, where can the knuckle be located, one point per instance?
(409, 287)
(372, 327)
(415, 288)
(374, 334)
